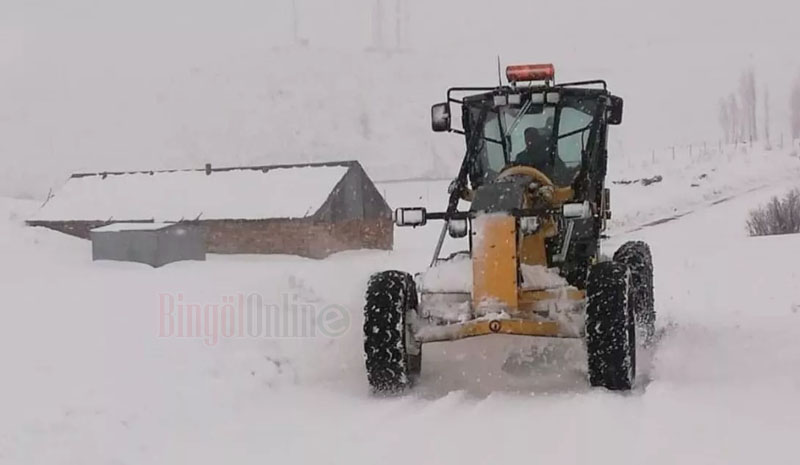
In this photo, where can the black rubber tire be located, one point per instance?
(637, 257)
(391, 295)
(579, 272)
(610, 327)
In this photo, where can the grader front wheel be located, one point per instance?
(391, 295)
(611, 327)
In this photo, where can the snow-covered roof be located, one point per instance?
(117, 227)
(268, 192)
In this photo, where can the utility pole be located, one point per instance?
(295, 26)
(296, 38)
(377, 25)
(398, 24)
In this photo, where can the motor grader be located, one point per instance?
(533, 178)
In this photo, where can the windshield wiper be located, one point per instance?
(579, 130)
(516, 121)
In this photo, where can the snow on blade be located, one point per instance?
(537, 277)
(454, 275)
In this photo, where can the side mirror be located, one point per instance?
(615, 110)
(410, 217)
(440, 117)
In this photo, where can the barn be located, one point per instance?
(312, 210)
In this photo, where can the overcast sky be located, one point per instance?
(102, 84)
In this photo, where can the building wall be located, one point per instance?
(303, 237)
(354, 197)
(126, 246)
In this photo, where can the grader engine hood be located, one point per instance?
(495, 262)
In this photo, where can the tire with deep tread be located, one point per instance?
(610, 327)
(636, 255)
(578, 274)
(391, 295)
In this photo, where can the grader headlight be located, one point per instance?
(576, 211)
(458, 228)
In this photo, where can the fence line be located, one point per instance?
(698, 152)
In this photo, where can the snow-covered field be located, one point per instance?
(88, 379)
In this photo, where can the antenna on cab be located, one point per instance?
(499, 73)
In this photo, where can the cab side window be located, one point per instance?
(570, 147)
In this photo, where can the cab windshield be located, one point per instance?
(549, 137)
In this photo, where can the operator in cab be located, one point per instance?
(538, 153)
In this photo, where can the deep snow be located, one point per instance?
(89, 380)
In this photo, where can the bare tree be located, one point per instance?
(795, 109)
(389, 22)
(779, 216)
(735, 119)
(767, 143)
(748, 100)
(753, 106)
(725, 120)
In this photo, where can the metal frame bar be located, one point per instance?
(561, 256)
(461, 215)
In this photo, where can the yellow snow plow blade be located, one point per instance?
(474, 328)
(532, 318)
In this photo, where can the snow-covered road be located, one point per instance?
(87, 380)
